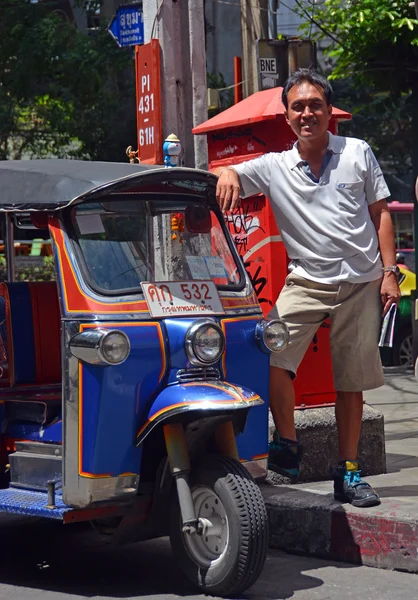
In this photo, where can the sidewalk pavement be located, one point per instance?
(305, 518)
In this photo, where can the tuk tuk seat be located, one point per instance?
(30, 349)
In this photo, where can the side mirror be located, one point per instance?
(197, 219)
(31, 220)
(39, 220)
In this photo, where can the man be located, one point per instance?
(329, 199)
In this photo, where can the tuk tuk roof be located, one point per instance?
(51, 184)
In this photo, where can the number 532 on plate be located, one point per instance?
(169, 298)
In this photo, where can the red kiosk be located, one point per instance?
(247, 130)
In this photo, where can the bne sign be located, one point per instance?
(148, 92)
(268, 66)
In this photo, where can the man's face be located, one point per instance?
(307, 114)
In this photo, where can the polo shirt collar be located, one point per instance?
(334, 145)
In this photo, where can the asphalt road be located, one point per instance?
(45, 560)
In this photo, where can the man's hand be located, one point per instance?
(227, 190)
(389, 291)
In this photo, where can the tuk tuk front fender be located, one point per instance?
(198, 396)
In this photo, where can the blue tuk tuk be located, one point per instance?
(134, 387)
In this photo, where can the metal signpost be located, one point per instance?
(127, 26)
(278, 59)
(271, 63)
(148, 98)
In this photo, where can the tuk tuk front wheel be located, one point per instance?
(228, 558)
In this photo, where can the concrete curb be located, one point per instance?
(305, 522)
(398, 370)
(316, 430)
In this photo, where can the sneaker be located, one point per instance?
(285, 457)
(350, 487)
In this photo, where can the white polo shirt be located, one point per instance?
(325, 225)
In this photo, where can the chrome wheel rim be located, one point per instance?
(405, 351)
(211, 546)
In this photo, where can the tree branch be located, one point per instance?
(315, 22)
(389, 67)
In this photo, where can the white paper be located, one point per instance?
(197, 266)
(215, 266)
(387, 329)
(91, 223)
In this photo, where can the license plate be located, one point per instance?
(191, 298)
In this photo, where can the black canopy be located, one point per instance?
(50, 184)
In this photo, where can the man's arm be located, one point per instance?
(227, 188)
(380, 215)
(244, 179)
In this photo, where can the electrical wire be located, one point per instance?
(234, 85)
(157, 14)
(276, 12)
(272, 12)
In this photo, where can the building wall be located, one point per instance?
(223, 36)
(288, 23)
(287, 20)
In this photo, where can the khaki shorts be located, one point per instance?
(354, 310)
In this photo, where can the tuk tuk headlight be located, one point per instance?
(272, 336)
(101, 346)
(204, 342)
(114, 347)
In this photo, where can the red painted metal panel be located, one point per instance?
(148, 98)
(261, 106)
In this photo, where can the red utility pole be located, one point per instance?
(238, 79)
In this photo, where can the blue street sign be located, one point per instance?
(127, 26)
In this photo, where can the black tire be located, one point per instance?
(242, 559)
(403, 348)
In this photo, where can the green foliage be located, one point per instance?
(374, 40)
(63, 92)
(216, 81)
(373, 51)
(385, 122)
(45, 273)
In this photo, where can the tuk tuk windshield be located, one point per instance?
(125, 242)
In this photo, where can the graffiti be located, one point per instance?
(241, 221)
(241, 244)
(258, 282)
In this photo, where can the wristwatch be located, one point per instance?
(392, 269)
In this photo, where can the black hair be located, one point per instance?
(311, 76)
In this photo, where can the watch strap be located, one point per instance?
(391, 269)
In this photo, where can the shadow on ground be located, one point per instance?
(73, 560)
